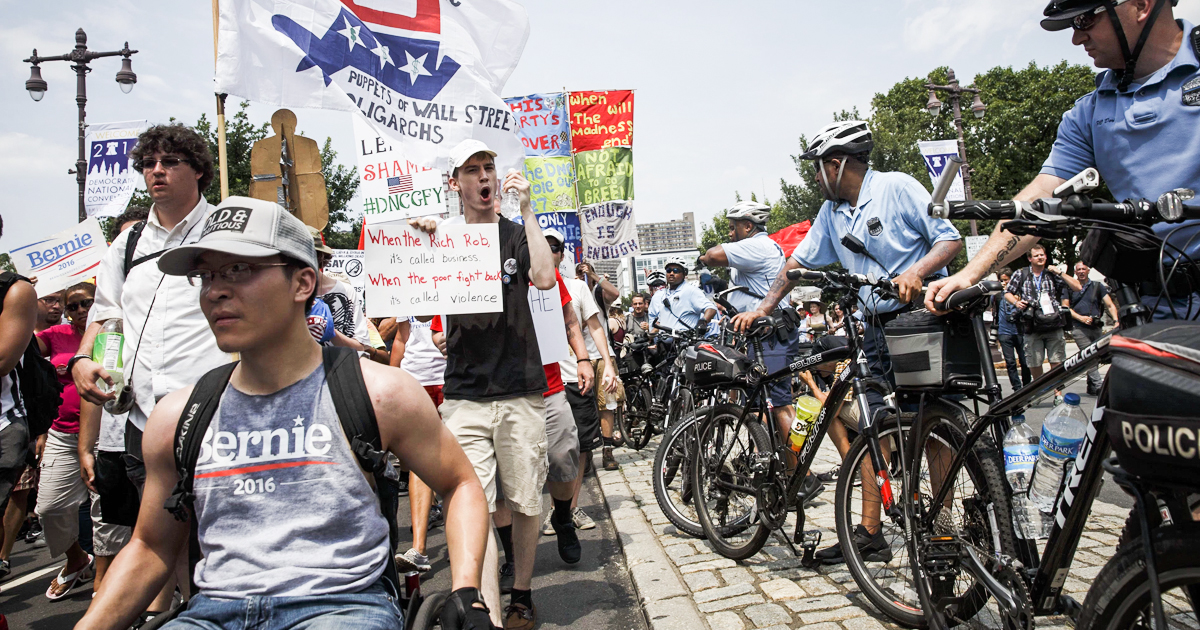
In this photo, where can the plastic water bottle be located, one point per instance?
(510, 202)
(807, 409)
(1062, 434)
(108, 350)
(1020, 456)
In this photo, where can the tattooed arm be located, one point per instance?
(779, 289)
(1001, 248)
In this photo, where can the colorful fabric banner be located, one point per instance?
(111, 178)
(601, 120)
(427, 74)
(937, 154)
(552, 183)
(67, 258)
(543, 122)
(568, 224)
(609, 230)
(604, 175)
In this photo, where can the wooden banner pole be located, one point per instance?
(222, 155)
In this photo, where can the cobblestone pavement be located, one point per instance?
(683, 584)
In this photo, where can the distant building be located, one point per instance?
(631, 275)
(668, 236)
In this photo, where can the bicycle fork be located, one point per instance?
(871, 430)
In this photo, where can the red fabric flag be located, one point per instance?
(789, 237)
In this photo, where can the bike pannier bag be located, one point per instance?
(932, 351)
(1153, 412)
(709, 364)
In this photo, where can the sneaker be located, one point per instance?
(412, 560)
(1093, 391)
(812, 488)
(36, 540)
(5, 569)
(581, 519)
(828, 476)
(547, 528)
(568, 542)
(607, 459)
(436, 517)
(518, 617)
(403, 485)
(508, 575)
(872, 547)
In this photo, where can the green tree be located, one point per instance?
(6, 263)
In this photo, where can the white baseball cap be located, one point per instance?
(245, 227)
(554, 234)
(465, 149)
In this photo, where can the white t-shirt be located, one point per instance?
(422, 359)
(348, 317)
(585, 307)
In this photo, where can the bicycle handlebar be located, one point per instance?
(962, 297)
(1169, 208)
(850, 280)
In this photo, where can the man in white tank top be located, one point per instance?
(291, 532)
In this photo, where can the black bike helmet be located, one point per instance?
(1060, 14)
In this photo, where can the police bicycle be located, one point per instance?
(961, 536)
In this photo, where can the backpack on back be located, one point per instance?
(355, 412)
(41, 392)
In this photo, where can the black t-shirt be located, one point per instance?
(1088, 301)
(492, 356)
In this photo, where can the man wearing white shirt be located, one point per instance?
(168, 343)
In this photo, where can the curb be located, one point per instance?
(666, 601)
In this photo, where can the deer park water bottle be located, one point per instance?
(510, 202)
(108, 351)
(1062, 434)
(1020, 455)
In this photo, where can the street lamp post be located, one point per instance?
(80, 57)
(934, 106)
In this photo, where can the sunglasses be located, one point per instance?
(1087, 20)
(81, 305)
(167, 162)
(556, 248)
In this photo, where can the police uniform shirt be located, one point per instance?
(891, 219)
(679, 308)
(754, 263)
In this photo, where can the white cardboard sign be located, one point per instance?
(546, 308)
(454, 271)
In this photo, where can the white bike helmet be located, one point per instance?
(849, 137)
(679, 261)
(655, 278)
(752, 211)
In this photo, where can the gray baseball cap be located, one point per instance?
(245, 227)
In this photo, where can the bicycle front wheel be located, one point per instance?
(1119, 598)
(672, 474)
(723, 477)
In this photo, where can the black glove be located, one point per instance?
(701, 326)
(459, 613)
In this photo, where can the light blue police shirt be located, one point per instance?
(892, 220)
(687, 306)
(754, 263)
(1144, 141)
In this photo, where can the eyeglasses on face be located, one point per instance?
(168, 163)
(80, 305)
(232, 273)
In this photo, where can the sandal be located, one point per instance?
(62, 585)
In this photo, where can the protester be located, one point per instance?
(50, 311)
(616, 325)
(314, 558)
(494, 378)
(815, 320)
(61, 489)
(637, 322)
(348, 317)
(1010, 336)
(1085, 308)
(602, 290)
(1128, 156)
(161, 313)
(603, 293)
(837, 321)
(1038, 292)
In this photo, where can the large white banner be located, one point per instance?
(937, 153)
(453, 271)
(111, 178)
(609, 231)
(426, 73)
(67, 258)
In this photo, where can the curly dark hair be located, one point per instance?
(132, 213)
(180, 140)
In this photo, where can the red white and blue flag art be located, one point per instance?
(427, 74)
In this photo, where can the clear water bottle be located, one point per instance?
(1062, 434)
(510, 202)
(1020, 456)
(108, 350)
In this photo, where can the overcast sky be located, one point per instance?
(723, 89)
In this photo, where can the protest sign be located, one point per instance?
(551, 182)
(67, 258)
(427, 74)
(454, 271)
(608, 230)
(542, 120)
(974, 244)
(546, 308)
(383, 173)
(111, 177)
(937, 154)
(601, 119)
(604, 175)
(568, 224)
(348, 265)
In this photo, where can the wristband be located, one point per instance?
(75, 359)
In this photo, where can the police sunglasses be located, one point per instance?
(1085, 21)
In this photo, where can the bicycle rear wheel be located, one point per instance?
(1119, 598)
(723, 477)
(428, 614)
(976, 513)
(672, 473)
(635, 422)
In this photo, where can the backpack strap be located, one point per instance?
(356, 412)
(189, 435)
(135, 233)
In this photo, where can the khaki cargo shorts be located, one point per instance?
(507, 437)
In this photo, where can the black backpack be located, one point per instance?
(355, 411)
(41, 391)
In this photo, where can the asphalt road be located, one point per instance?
(596, 593)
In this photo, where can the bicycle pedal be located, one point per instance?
(812, 540)
(942, 556)
(1068, 606)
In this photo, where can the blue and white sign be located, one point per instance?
(67, 258)
(937, 154)
(111, 178)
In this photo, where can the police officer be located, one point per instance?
(1140, 128)
(680, 306)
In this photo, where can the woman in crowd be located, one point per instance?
(837, 321)
(817, 324)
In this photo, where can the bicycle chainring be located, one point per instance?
(1020, 618)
